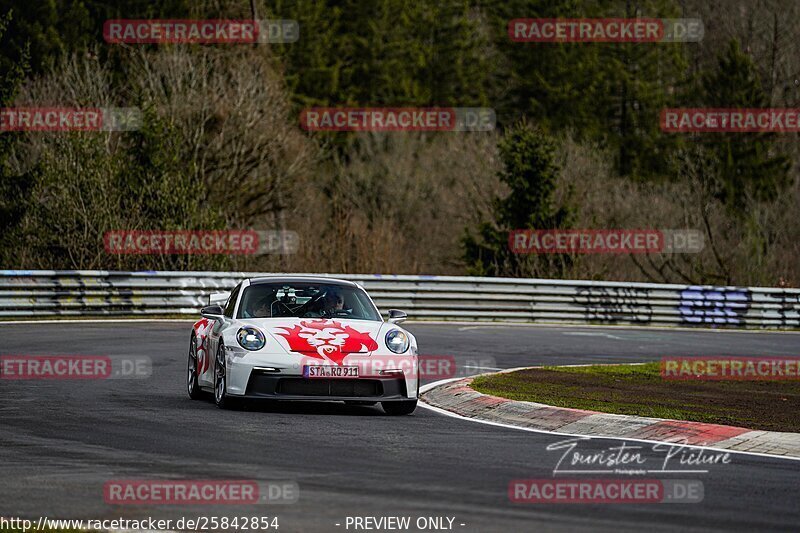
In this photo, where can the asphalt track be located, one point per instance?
(60, 441)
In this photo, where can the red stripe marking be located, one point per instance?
(693, 432)
(490, 400)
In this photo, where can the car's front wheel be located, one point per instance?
(221, 397)
(193, 388)
(405, 407)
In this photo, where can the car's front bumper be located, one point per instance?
(277, 387)
(280, 377)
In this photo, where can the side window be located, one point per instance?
(231, 305)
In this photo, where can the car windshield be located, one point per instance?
(306, 300)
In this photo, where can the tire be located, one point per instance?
(192, 386)
(405, 407)
(221, 398)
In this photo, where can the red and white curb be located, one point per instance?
(457, 397)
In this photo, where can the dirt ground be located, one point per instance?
(640, 390)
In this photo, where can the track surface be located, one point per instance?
(60, 441)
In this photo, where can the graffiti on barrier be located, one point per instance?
(614, 304)
(717, 305)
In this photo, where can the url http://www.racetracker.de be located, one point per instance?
(199, 523)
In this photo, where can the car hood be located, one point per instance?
(320, 336)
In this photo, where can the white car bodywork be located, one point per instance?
(276, 371)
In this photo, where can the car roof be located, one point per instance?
(301, 279)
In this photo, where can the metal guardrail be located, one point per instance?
(42, 293)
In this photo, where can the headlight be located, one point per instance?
(251, 338)
(397, 341)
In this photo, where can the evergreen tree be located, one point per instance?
(530, 171)
(750, 165)
(636, 83)
(611, 93)
(386, 53)
(51, 29)
(13, 185)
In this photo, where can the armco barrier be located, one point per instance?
(91, 293)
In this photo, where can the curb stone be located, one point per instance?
(459, 398)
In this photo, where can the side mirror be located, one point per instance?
(212, 311)
(396, 316)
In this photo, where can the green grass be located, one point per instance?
(640, 390)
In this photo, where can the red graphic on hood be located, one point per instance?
(327, 340)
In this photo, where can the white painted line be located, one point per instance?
(588, 364)
(429, 386)
(99, 320)
(576, 325)
(425, 388)
(474, 325)
(558, 472)
(593, 334)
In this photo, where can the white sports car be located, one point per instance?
(302, 338)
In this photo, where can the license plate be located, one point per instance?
(320, 371)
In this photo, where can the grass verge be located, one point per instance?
(640, 390)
